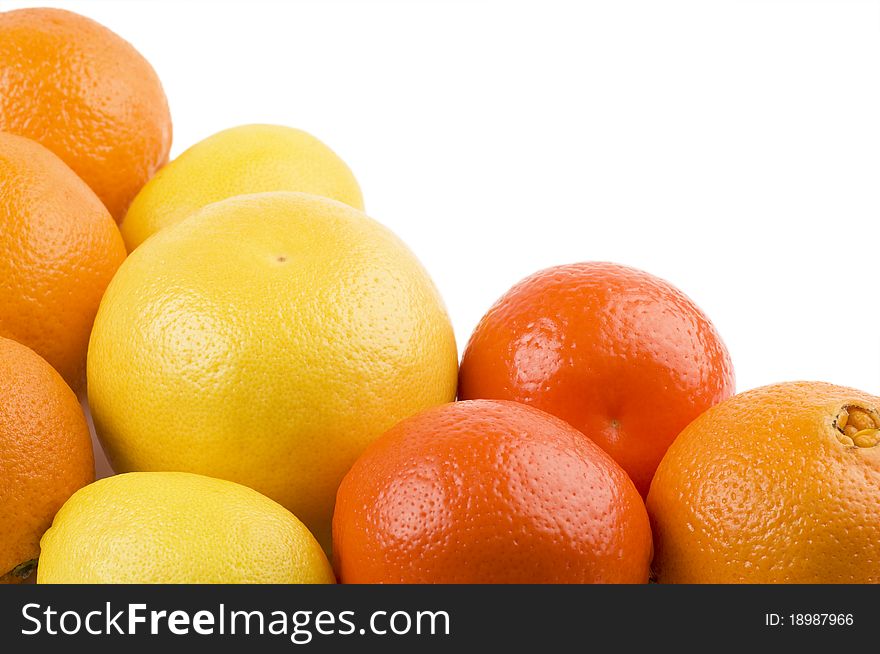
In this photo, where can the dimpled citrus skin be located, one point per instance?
(180, 528)
(59, 249)
(87, 95)
(620, 354)
(239, 160)
(45, 452)
(759, 489)
(267, 340)
(488, 492)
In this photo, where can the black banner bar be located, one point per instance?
(432, 619)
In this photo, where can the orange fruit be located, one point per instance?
(621, 355)
(488, 492)
(87, 95)
(59, 249)
(45, 454)
(780, 484)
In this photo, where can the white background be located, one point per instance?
(731, 147)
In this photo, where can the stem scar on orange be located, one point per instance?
(780, 484)
(623, 356)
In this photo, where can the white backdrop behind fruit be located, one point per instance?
(729, 147)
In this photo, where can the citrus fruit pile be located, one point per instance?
(274, 378)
